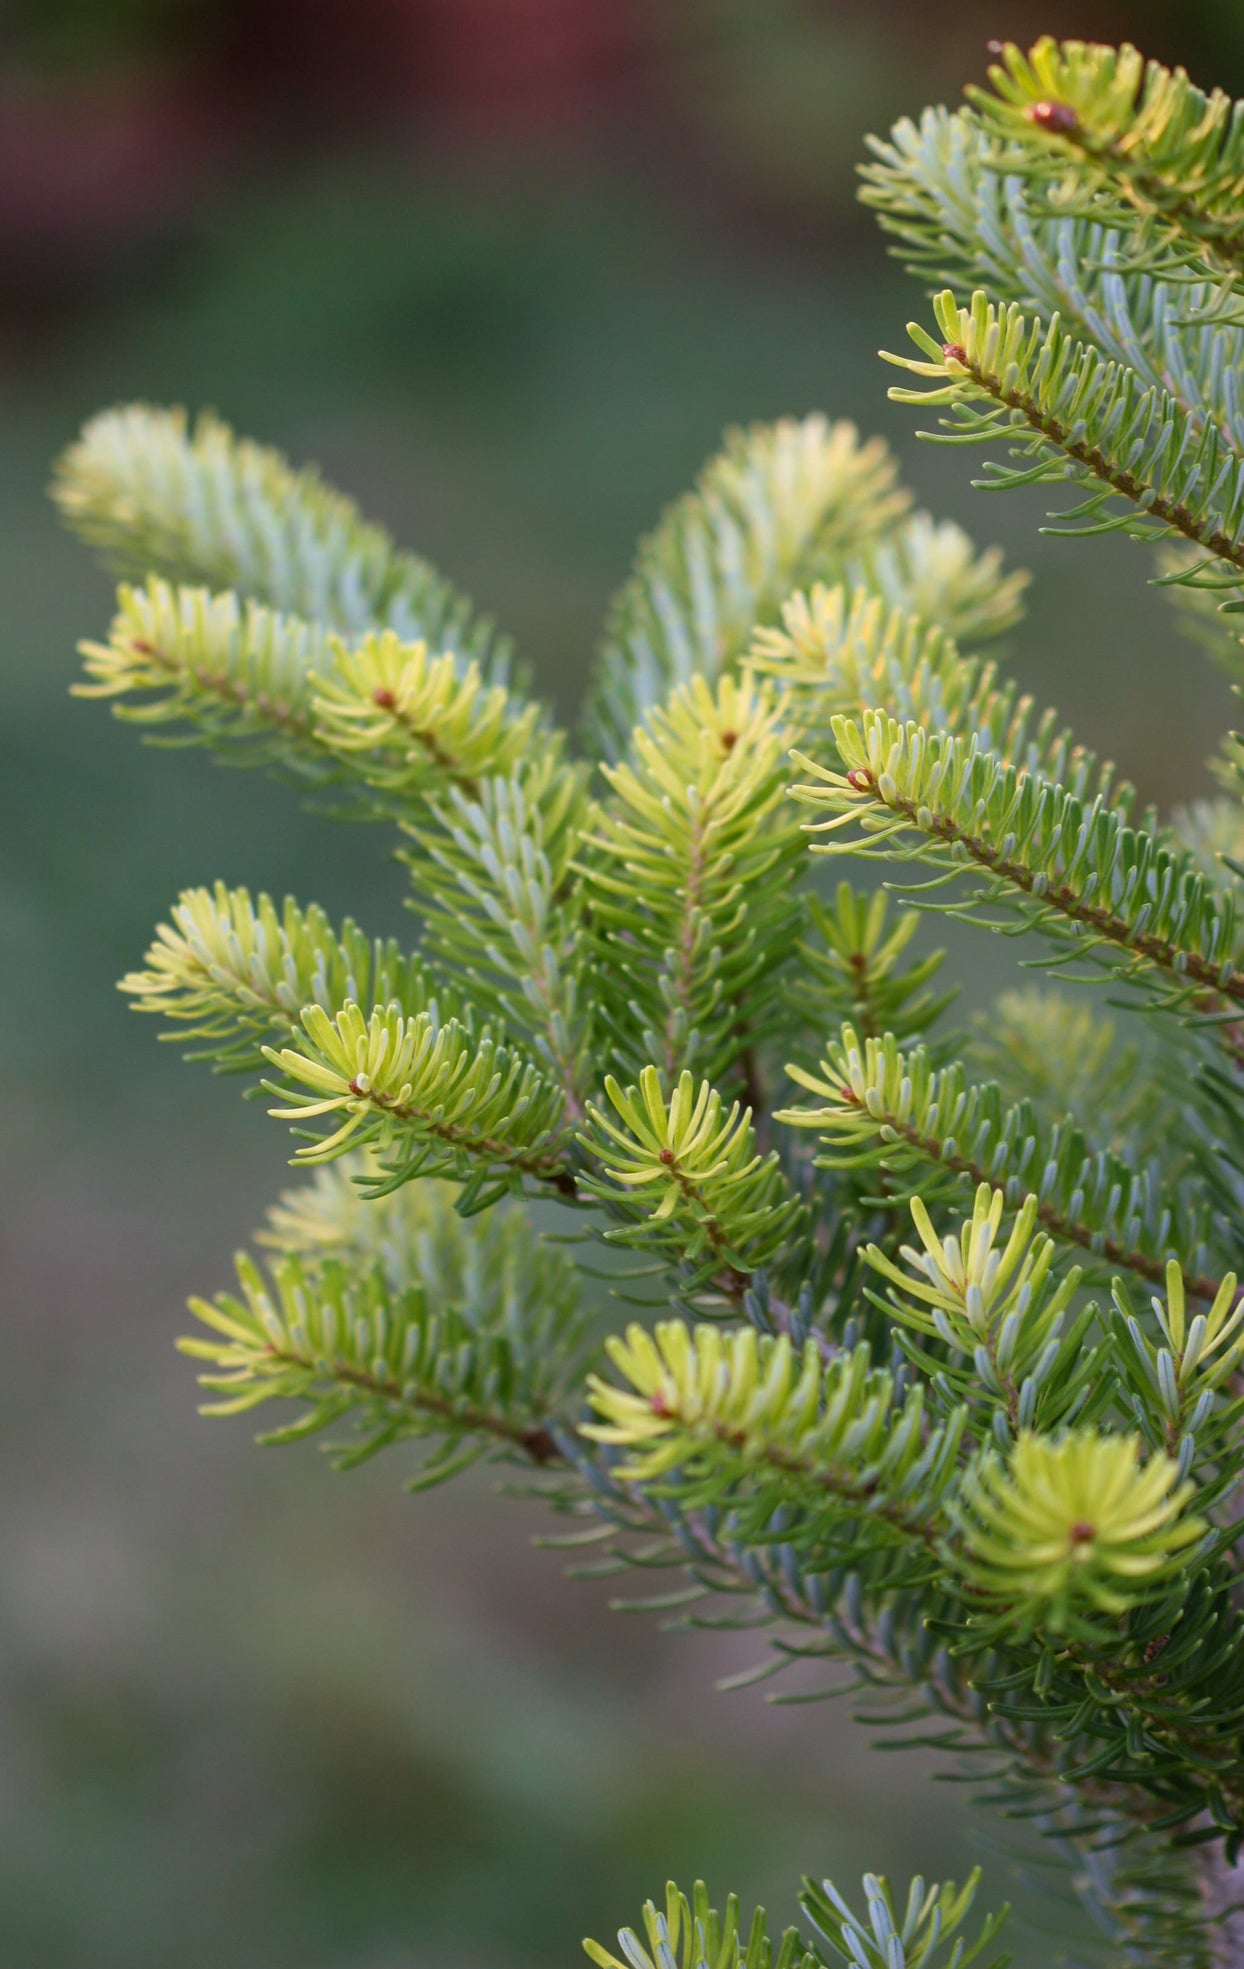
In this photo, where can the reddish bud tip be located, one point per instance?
(355, 1088)
(860, 780)
(659, 1405)
(1058, 117)
(666, 1156)
(384, 698)
(955, 352)
(1082, 1533)
(728, 741)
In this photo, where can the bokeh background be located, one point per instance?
(505, 268)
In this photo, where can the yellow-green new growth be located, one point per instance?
(922, 1931)
(234, 674)
(1208, 1331)
(1075, 867)
(746, 1419)
(967, 1288)
(934, 1465)
(431, 1098)
(689, 868)
(840, 651)
(738, 1388)
(999, 1304)
(1127, 140)
(417, 722)
(462, 1336)
(1076, 415)
(884, 1108)
(782, 505)
(691, 1172)
(1074, 1527)
(196, 503)
(692, 1935)
(1182, 1380)
(897, 1934)
(230, 972)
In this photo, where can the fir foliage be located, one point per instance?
(396, 1322)
(429, 1098)
(1099, 888)
(691, 1934)
(690, 873)
(1104, 129)
(1076, 1524)
(782, 507)
(231, 973)
(937, 1369)
(933, 1128)
(197, 504)
(920, 1932)
(693, 1176)
(231, 673)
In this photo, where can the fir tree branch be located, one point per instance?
(688, 874)
(501, 900)
(261, 687)
(690, 1934)
(466, 1335)
(932, 569)
(780, 506)
(1080, 416)
(908, 1935)
(1173, 1378)
(783, 506)
(1019, 1535)
(1106, 129)
(432, 1100)
(687, 1934)
(411, 723)
(1078, 873)
(688, 1182)
(855, 974)
(841, 653)
(231, 974)
(205, 507)
(1012, 1353)
(737, 1417)
(883, 1108)
(235, 676)
(940, 187)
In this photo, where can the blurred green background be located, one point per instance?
(505, 268)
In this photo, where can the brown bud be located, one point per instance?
(955, 352)
(860, 780)
(355, 1088)
(384, 698)
(728, 741)
(1082, 1533)
(1060, 118)
(666, 1156)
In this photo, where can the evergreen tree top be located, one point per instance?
(935, 1363)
